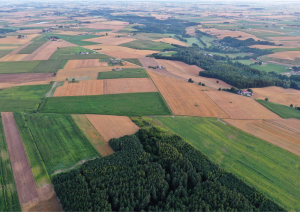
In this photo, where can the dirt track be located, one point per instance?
(24, 180)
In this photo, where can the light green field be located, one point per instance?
(37, 165)
(127, 104)
(147, 45)
(271, 67)
(60, 142)
(18, 66)
(32, 47)
(125, 73)
(245, 62)
(78, 40)
(134, 61)
(270, 169)
(9, 200)
(22, 98)
(281, 110)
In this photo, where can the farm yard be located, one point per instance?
(240, 153)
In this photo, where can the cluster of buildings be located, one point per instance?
(157, 67)
(244, 93)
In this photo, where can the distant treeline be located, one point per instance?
(4, 31)
(234, 42)
(233, 73)
(156, 171)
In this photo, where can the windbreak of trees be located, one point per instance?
(234, 42)
(233, 73)
(154, 170)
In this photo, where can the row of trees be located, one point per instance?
(155, 171)
(233, 73)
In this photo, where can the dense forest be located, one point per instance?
(153, 25)
(4, 31)
(234, 42)
(233, 73)
(155, 171)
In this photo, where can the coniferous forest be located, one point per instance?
(156, 171)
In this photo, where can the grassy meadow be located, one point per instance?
(281, 110)
(9, 200)
(15, 67)
(125, 73)
(59, 141)
(22, 98)
(37, 165)
(271, 67)
(147, 45)
(32, 47)
(127, 104)
(269, 168)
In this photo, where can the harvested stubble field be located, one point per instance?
(278, 95)
(87, 63)
(281, 110)
(285, 138)
(112, 40)
(8, 193)
(93, 135)
(289, 124)
(129, 104)
(147, 45)
(112, 126)
(14, 57)
(108, 86)
(120, 51)
(285, 38)
(190, 30)
(172, 41)
(125, 73)
(288, 55)
(186, 98)
(14, 39)
(107, 25)
(81, 88)
(147, 61)
(22, 98)
(59, 141)
(10, 80)
(224, 33)
(269, 168)
(24, 179)
(240, 107)
(128, 85)
(186, 72)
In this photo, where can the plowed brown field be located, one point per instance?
(267, 131)
(240, 107)
(171, 41)
(93, 135)
(87, 63)
(148, 61)
(82, 88)
(9, 80)
(186, 72)
(186, 98)
(128, 85)
(278, 95)
(112, 126)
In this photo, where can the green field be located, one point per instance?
(4, 52)
(78, 40)
(37, 165)
(125, 73)
(49, 66)
(134, 61)
(147, 45)
(61, 144)
(22, 98)
(281, 110)
(245, 62)
(129, 104)
(270, 169)
(32, 47)
(9, 200)
(271, 67)
(69, 53)
(14, 67)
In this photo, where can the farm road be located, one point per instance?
(21, 168)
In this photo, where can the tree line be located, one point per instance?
(234, 42)
(156, 171)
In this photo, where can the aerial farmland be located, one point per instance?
(149, 106)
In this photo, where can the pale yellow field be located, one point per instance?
(186, 98)
(289, 55)
(224, 33)
(111, 40)
(87, 63)
(281, 136)
(172, 41)
(285, 38)
(8, 47)
(14, 39)
(14, 57)
(278, 95)
(240, 107)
